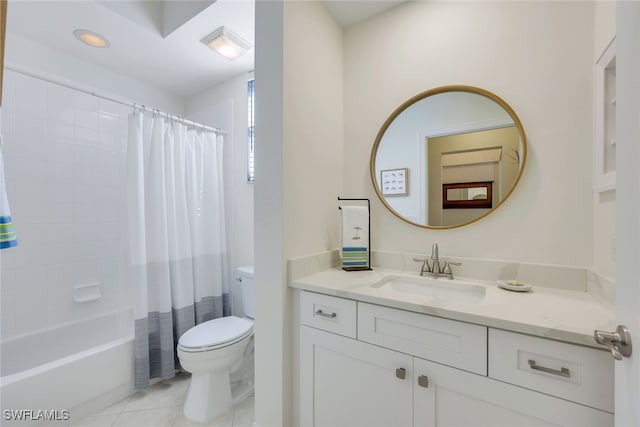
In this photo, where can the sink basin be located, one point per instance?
(442, 289)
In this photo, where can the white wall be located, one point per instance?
(65, 158)
(604, 204)
(299, 134)
(225, 106)
(29, 56)
(537, 56)
(313, 128)
(270, 264)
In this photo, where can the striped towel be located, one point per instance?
(7, 234)
(355, 257)
(355, 237)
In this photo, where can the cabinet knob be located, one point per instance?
(401, 373)
(423, 381)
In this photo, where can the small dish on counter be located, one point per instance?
(514, 285)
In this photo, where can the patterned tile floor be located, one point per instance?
(161, 406)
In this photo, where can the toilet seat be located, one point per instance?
(216, 333)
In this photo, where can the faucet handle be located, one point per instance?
(447, 266)
(425, 265)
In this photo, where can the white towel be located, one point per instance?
(7, 234)
(354, 249)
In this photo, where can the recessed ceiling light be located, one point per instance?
(227, 43)
(91, 38)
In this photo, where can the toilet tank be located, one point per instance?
(245, 276)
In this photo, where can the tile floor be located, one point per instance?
(161, 406)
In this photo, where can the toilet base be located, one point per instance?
(208, 397)
(211, 395)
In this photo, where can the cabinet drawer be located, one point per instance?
(579, 374)
(331, 314)
(458, 344)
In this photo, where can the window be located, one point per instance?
(250, 131)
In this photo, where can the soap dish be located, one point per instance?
(514, 285)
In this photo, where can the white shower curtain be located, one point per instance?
(178, 254)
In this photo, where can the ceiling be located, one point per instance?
(351, 12)
(158, 42)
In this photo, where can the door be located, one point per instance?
(627, 375)
(347, 383)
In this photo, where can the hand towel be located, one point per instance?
(7, 234)
(355, 237)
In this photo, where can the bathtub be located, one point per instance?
(69, 371)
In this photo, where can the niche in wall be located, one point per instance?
(605, 120)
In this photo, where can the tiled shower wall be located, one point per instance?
(65, 167)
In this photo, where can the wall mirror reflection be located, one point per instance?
(464, 150)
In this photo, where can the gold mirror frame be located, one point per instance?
(426, 94)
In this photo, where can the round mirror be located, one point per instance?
(448, 157)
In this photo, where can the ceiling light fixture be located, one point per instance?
(227, 43)
(91, 38)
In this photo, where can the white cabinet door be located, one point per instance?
(346, 383)
(458, 398)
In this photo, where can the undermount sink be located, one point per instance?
(442, 289)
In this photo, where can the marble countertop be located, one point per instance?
(569, 316)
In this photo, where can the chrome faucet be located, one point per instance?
(436, 269)
(435, 259)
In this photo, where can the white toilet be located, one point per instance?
(214, 350)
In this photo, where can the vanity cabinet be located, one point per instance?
(421, 370)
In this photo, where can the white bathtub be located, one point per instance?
(79, 367)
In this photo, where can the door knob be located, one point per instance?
(401, 373)
(618, 342)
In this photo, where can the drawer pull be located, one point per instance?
(563, 372)
(321, 313)
(401, 373)
(423, 381)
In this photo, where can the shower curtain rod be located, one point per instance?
(135, 106)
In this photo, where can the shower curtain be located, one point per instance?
(177, 248)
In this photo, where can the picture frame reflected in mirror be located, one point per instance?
(395, 182)
(467, 195)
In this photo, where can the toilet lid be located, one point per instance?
(216, 332)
